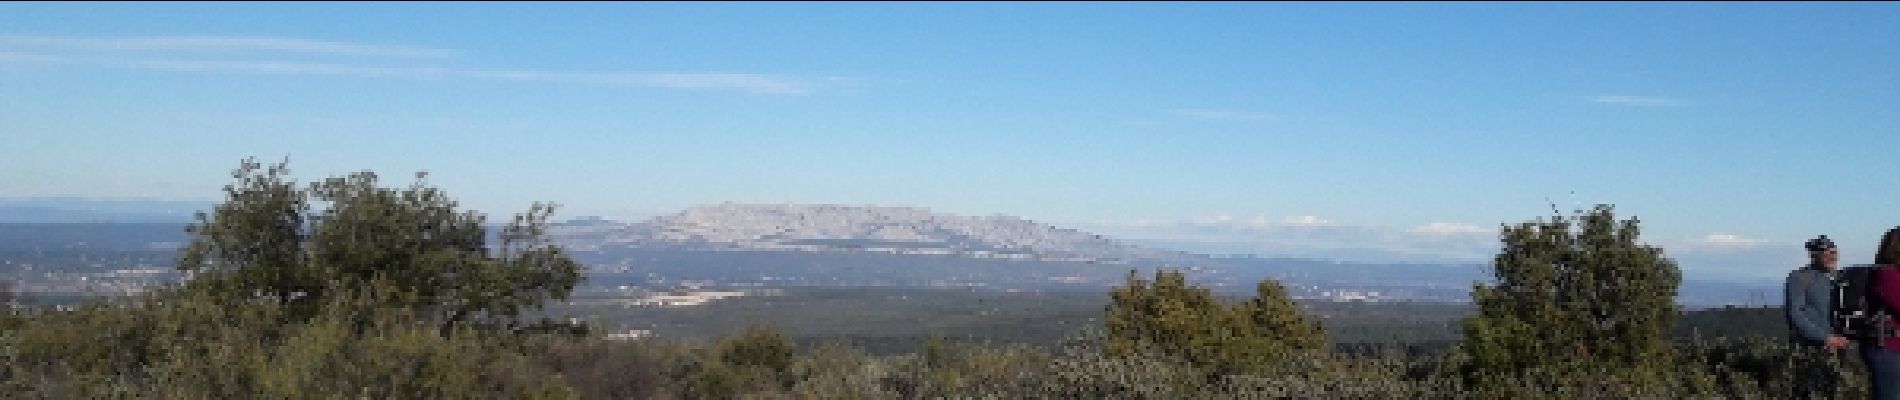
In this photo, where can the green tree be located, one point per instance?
(12, 305)
(1273, 313)
(751, 364)
(287, 303)
(1573, 296)
(1185, 321)
(758, 346)
(406, 248)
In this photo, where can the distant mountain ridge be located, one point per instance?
(69, 209)
(879, 229)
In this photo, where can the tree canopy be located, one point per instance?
(1175, 318)
(407, 248)
(1573, 293)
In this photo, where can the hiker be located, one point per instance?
(1810, 302)
(1811, 297)
(1882, 355)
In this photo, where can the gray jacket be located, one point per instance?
(1809, 305)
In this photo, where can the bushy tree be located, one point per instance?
(287, 302)
(1273, 314)
(406, 248)
(758, 346)
(1576, 296)
(838, 371)
(1188, 322)
(12, 305)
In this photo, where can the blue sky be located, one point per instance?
(1734, 131)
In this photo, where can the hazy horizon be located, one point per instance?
(1351, 244)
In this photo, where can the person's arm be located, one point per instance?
(1800, 306)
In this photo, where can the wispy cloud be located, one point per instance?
(1213, 220)
(173, 44)
(1731, 240)
(1306, 220)
(12, 57)
(1449, 228)
(185, 54)
(291, 68)
(1637, 101)
(1219, 114)
(755, 83)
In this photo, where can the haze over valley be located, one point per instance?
(66, 253)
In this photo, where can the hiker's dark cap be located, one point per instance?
(1820, 244)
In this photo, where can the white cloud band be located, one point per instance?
(216, 43)
(179, 55)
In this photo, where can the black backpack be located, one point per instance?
(1857, 314)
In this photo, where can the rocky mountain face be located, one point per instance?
(837, 228)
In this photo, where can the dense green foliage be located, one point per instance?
(1573, 295)
(190, 345)
(383, 293)
(403, 248)
(1188, 323)
(392, 293)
